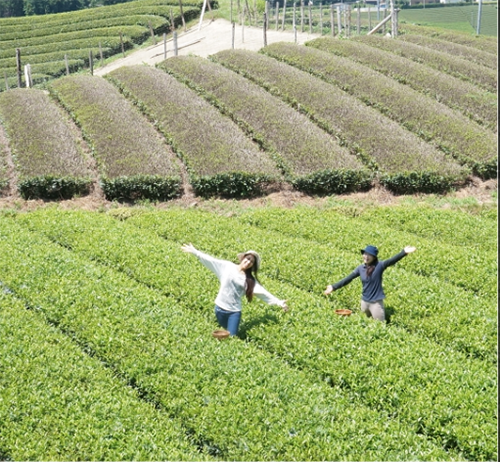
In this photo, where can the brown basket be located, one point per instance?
(343, 312)
(220, 334)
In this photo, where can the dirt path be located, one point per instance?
(213, 36)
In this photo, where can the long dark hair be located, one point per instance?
(371, 267)
(251, 279)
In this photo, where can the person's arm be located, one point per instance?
(267, 297)
(213, 264)
(330, 288)
(393, 260)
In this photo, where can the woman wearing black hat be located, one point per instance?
(370, 272)
(235, 281)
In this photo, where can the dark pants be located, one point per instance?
(229, 320)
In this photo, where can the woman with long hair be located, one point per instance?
(236, 281)
(370, 272)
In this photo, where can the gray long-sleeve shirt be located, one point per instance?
(372, 286)
(233, 284)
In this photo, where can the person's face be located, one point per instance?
(247, 262)
(368, 259)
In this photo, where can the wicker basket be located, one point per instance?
(220, 334)
(343, 312)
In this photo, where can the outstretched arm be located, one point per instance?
(331, 287)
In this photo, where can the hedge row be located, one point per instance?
(480, 42)
(482, 58)
(477, 104)
(386, 369)
(47, 156)
(404, 163)
(220, 159)
(59, 403)
(266, 410)
(481, 76)
(132, 156)
(448, 130)
(310, 158)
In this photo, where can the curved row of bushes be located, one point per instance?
(60, 403)
(480, 42)
(482, 58)
(403, 162)
(161, 345)
(44, 41)
(220, 159)
(481, 76)
(131, 155)
(389, 370)
(477, 104)
(448, 130)
(312, 160)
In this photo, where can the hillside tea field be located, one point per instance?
(415, 114)
(107, 352)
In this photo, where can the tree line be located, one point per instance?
(10, 8)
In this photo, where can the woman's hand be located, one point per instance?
(189, 248)
(284, 306)
(409, 249)
(329, 290)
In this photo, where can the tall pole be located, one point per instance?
(479, 8)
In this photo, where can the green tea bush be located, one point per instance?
(213, 148)
(434, 122)
(482, 58)
(148, 339)
(382, 144)
(53, 188)
(47, 155)
(481, 76)
(302, 150)
(58, 402)
(477, 104)
(134, 160)
(480, 42)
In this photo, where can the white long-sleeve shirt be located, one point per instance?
(233, 284)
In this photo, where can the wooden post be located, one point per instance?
(27, 76)
(332, 20)
(277, 14)
(310, 18)
(369, 19)
(358, 23)
(164, 45)
(201, 15)
(284, 13)
(385, 17)
(320, 18)
(18, 68)
(152, 32)
(232, 36)
(231, 11)
(6, 81)
(301, 15)
(339, 19)
(176, 50)
(91, 63)
(265, 32)
(67, 65)
(295, 21)
(266, 25)
(182, 16)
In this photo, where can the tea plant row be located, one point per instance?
(234, 399)
(448, 130)
(49, 43)
(57, 402)
(372, 370)
(477, 104)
